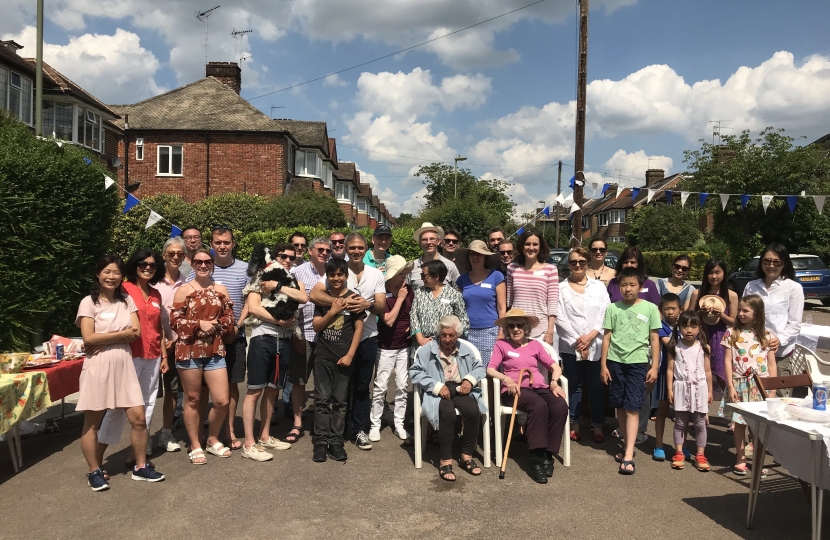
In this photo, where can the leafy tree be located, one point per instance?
(770, 164)
(303, 208)
(471, 220)
(442, 184)
(404, 219)
(129, 234)
(663, 227)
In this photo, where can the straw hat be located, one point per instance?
(479, 247)
(397, 265)
(516, 313)
(712, 301)
(427, 226)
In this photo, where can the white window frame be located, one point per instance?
(18, 114)
(329, 181)
(602, 219)
(617, 239)
(342, 193)
(139, 149)
(616, 216)
(301, 164)
(170, 160)
(373, 212)
(363, 205)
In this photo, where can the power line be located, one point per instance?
(400, 51)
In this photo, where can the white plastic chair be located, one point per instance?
(422, 425)
(806, 361)
(502, 413)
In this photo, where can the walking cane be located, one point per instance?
(513, 419)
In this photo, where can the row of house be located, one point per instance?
(198, 140)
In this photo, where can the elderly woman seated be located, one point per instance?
(544, 403)
(447, 371)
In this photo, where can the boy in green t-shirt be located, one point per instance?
(631, 327)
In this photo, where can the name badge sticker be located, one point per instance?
(644, 289)
(446, 300)
(107, 315)
(538, 272)
(486, 286)
(513, 354)
(155, 305)
(217, 282)
(642, 317)
(389, 295)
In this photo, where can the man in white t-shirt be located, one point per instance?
(370, 286)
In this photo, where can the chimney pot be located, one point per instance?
(653, 176)
(228, 73)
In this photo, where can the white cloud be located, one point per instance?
(397, 137)
(629, 168)
(334, 80)
(464, 51)
(115, 69)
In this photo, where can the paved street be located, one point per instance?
(379, 494)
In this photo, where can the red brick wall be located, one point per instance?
(373, 223)
(362, 219)
(239, 163)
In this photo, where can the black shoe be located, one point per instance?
(319, 453)
(538, 469)
(337, 452)
(548, 464)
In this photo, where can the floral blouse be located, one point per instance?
(748, 356)
(201, 305)
(427, 311)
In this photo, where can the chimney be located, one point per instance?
(653, 176)
(13, 46)
(228, 74)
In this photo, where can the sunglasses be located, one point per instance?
(424, 276)
(336, 242)
(599, 250)
(323, 250)
(451, 241)
(773, 262)
(220, 227)
(144, 265)
(202, 262)
(175, 254)
(515, 326)
(284, 256)
(680, 268)
(508, 252)
(300, 246)
(578, 262)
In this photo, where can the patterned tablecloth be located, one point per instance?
(22, 395)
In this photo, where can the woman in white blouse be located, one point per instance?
(582, 304)
(783, 302)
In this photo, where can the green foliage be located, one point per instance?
(488, 194)
(243, 213)
(405, 219)
(470, 220)
(771, 164)
(129, 234)
(659, 263)
(663, 227)
(56, 216)
(301, 208)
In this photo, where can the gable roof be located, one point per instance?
(204, 105)
(306, 133)
(345, 172)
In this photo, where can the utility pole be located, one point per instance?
(558, 191)
(581, 98)
(39, 72)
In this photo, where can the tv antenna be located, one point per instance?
(245, 57)
(716, 128)
(236, 35)
(203, 16)
(275, 107)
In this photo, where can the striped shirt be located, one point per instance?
(536, 292)
(234, 278)
(309, 276)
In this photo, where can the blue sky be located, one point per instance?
(500, 94)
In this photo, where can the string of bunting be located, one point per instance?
(132, 202)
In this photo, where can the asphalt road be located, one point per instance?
(379, 494)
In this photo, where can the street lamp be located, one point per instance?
(457, 159)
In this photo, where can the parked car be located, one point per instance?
(810, 271)
(557, 255)
(565, 269)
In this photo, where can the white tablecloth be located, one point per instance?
(814, 336)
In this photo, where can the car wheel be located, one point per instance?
(825, 301)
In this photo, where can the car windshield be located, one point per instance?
(752, 265)
(808, 263)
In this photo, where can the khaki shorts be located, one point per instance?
(301, 363)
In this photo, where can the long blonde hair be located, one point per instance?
(758, 326)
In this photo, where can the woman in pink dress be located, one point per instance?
(109, 323)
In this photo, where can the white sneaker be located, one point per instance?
(256, 453)
(276, 444)
(374, 434)
(402, 433)
(168, 442)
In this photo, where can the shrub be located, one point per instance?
(129, 234)
(301, 208)
(470, 220)
(662, 227)
(659, 263)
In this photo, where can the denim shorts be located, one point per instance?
(208, 363)
(263, 369)
(628, 385)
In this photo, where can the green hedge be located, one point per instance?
(659, 263)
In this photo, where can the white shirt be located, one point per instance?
(783, 307)
(578, 316)
(371, 283)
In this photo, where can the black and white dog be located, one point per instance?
(261, 267)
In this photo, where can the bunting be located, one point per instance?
(546, 211)
(152, 219)
(651, 193)
(131, 202)
(819, 200)
(634, 193)
(684, 195)
(724, 198)
(744, 200)
(175, 231)
(520, 231)
(108, 182)
(792, 201)
(701, 199)
(765, 200)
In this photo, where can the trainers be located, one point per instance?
(319, 455)
(96, 481)
(338, 453)
(256, 453)
(362, 441)
(659, 455)
(276, 444)
(374, 434)
(147, 474)
(168, 442)
(402, 434)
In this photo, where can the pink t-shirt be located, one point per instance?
(536, 292)
(510, 360)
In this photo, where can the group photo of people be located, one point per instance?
(345, 320)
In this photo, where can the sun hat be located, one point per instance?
(427, 226)
(516, 313)
(712, 301)
(396, 265)
(479, 247)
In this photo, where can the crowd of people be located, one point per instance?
(193, 320)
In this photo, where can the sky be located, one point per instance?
(501, 94)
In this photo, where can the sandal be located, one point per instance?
(576, 435)
(197, 457)
(445, 470)
(294, 437)
(469, 466)
(236, 444)
(701, 463)
(740, 469)
(625, 463)
(218, 449)
(678, 461)
(619, 457)
(599, 438)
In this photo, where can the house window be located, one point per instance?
(586, 222)
(602, 220)
(617, 239)
(343, 191)
(361, 205)
(63, 121)
(329, 177)
(373, 212)
(139, 149)
(353, 198)
(617, 216)
(170, 160)
(308, 164)
(88, 129)
(48, 118)
(16, 95)
(290, 166)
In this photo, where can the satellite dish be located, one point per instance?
(115, 161)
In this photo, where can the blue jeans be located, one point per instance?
(584, 370)
(364, 365)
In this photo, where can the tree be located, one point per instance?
(471, 220)
(303, 208)
(404, 219)
(489, 194)
(663, 227)
(770, 164)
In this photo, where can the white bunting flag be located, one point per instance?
(574, 207)
(560, 199)
(108, 182)
(765, 200)
(724, 198)
(683, 196)
(152, 219)
(619, 192)
(819, 199)
(651, 193)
